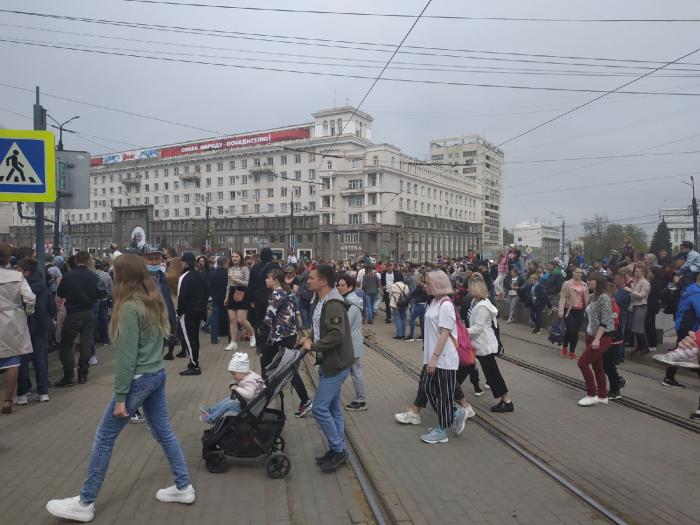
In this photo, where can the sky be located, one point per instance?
(204, 100)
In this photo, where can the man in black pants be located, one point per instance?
(79, 288)
(388, 278)
(192, 297)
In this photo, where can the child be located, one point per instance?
(610, 357)
(248, 384)
(539, 300)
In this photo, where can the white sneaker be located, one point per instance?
(683, 357)
(588, 401)
(652, 349)
(43, 398)
(509, 321)
(601, 400)
(137, 419)
(408, 418)
(470, 411)
(93, 360)
(233, 345)
(71, 509)
(252, 341)
(21, 400)
(174, 495)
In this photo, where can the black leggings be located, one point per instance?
(573, 325)
(493, 375)
(609, 358)
(268, 354)
(650, 328)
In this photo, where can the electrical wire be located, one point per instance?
(347, 75)
(404, 15)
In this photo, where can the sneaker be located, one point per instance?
(409, 339)
(169, 356)
(460, 420)
(437, 435)
(623, 382)
(193, 371)
(205, 419)
(408, 418)
(683, 357)
(509, 321)
(470, 411)
(252, 341)
(420, 338)
(564, 352)
(614, 395)
(601, 400)
(65, 382)
(592, 400)
(652, 349)
(21, 400)
(233, 345)
(92, 360)
(334, 461)
(478, 393)
(695, 415)
(572, 355)
(536, 331)
(672, 383)
(181, 353)
(175, 495)
(71, 509)
(205, 410)
(322, 459)
(356, 405)
(303, 409)
(503, 407)
(137, 419)
(43, 398)
(488, 387)
(82, 379)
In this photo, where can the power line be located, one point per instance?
(591, 101)
(345, 75)
(404, 15)
(605, 157)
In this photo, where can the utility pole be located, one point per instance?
(39, 124)
(57, 205)
(563, 237)
(291, 222)
(695, 216)
(207, 237)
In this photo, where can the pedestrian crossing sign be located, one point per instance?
(27, 166)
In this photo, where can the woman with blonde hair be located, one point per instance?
(639, 290)
(139, 324)
(172, 275)
(483, 316)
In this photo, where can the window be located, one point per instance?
(256, 179)
(356, 163)
(297, 175)
(355, 218)
(329, 164)
(220, 210)
(220, 195)
(356, 184)
(400, 185)
(297, 159)
(283, 207)
(257, 208)
(270, 208)
(219, 181)
(156, 200)
(297, 191)
(146, 200)
(332, 127)
(375, 160)
(270, 192)
(356, 202)
(244, 179)
(208, 168)
(166, 213)
(187, 212)
(326, 183)
(165, 185)
(269, 161)
(470, 153)
(208, 182)
(176, 185)
(231, 180)
(312, 189)
(231, 195)
(351, 238)
(232, 165)
(312, 157)
(197, 211)
(176, 170)
(283, 192)
(312, 206)
(257, 162)
(177, 212)
(312, 174)
(219, 166)
(244, 163)
(283, 159)
(256, 194)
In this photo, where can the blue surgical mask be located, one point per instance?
(153, 268)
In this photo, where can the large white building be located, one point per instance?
(680, 224)
(348, 194)
(543, 239)
(476, 159)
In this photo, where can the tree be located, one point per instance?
(600, 237)
(661, 239)
(508, 237)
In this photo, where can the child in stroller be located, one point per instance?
(246, 383)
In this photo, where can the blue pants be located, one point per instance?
(148, 391)
(305, 311)
(102, 322)
(217, 315)
(327, 408)
(223, 406)
(370, 300)
(40, 360)
(417, 312)
(400, 322)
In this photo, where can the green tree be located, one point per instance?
(508, 237)
(661, 239)
(601, 237)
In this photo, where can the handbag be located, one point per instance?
(402, 302)
(238, 295)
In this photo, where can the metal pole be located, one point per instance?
(291, 224)
(57, 206)
(207, 239)
(39, 124)
(695, 215)
(563, 237)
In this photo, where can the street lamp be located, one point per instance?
(695, 211)
(60, 128)
(563, 231)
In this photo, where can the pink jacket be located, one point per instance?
(250, 386)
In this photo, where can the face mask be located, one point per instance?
(153, 268)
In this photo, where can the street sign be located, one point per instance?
(27, 166)
(74, 178)
(528, 250)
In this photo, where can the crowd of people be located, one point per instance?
(148, 302)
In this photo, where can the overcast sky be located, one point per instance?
(408, 115)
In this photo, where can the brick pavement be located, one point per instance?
(44, 452)
(635, 464)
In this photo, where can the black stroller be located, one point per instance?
(256, 431)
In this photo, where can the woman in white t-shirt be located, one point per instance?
(440, 359)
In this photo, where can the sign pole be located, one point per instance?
(39, 124)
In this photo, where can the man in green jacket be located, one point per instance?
(332, 341)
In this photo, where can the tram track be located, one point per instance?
(507, 440)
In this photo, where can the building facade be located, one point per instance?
(324, 188)
(680, 224)
(543, 239)
(476, 159)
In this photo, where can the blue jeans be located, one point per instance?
(400, 321)
(370, 300)
(217, 313)
(223, 406)
(417, 312)
(305, 311)
(327, 408)
(148, 391)
(40, 360)
(102, 322)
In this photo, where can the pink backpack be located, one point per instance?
(463, 344)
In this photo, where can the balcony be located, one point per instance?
(263, 169)
(191, 177)
(359, 190)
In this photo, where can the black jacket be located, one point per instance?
(218, 280)
(79, 288)
(398, 277)
(193, 295)
(39, 321)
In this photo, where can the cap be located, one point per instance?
(188, 258)
(151, 248)
(239, 363)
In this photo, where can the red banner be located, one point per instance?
(235, 142)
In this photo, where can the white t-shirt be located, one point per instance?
(389, 281)
(440, 314)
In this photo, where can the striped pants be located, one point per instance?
(439, 388)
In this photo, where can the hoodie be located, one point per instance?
(481, 319)
(689, 305)
(355, 320)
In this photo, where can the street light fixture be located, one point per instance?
(60, 128)
(695, 211)
(563, 231)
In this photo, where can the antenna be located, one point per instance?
(334, 98)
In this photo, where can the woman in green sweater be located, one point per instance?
(139, 324)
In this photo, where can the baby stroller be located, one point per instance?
(256, 431)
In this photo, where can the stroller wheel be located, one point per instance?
(216, 461)
(278, 465)
(279, 444)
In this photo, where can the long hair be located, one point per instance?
(133, 281)
(278, 275)
(173, 273)
(241, 261)
(601, 283)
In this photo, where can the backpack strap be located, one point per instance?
(454, 341)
